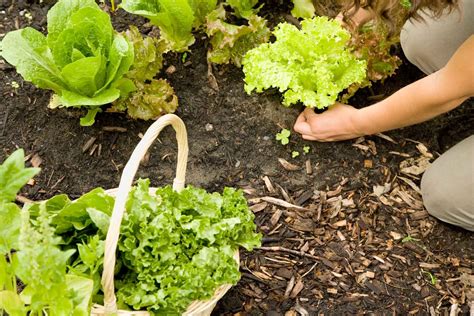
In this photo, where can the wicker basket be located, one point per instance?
(196, 308)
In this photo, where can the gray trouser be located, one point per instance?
(448, 185)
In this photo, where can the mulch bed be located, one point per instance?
(344, 228)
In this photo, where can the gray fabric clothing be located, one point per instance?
(429, 44)
(448, 186)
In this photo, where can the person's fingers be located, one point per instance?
(302, 127)
(309, 113)
(308, 137)
(300, 119)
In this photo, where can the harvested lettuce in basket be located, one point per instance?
(179, 247)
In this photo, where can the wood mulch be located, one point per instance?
(349, 250)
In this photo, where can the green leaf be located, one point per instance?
(59, 15)
(120, 59)
(303, 9)
(10, 228)
(283, 136)
(26, 49)
(14, 175)
(72, 99)
(82, 74)
(12, 304)
(149, 55)
(175, 19)
(100, 219)
(200, 9)
(81, 59)
(75, 215)
(80, 290)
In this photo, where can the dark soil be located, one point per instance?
(232, 143)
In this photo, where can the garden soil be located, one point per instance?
(353, 236)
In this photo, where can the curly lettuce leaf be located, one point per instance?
(149, 55)
(371, 43)
(150, 97)
(231, 42)
(201, 9)
(151, 100)
(178, 247)
(312, 65)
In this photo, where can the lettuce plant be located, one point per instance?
(37, 259)
(312, 65)
(81, 59)
(175, 18)
(151, 97)
(231, 42)
(178, 246)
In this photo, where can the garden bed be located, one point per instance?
(339, 245)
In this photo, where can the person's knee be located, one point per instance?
(447, 186)
(434, 201)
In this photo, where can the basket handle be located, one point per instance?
(126, 180)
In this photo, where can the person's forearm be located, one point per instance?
(418, 102)
(424, 99)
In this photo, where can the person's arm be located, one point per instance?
(420, 101)
(426, 98)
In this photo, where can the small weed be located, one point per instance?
(433, 279)
(184, 57)
(15, 85)
(409, 238)
(283, 136)
(306, 149)
(294, 154)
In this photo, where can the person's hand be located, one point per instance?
(337, 123)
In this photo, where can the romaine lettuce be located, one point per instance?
(82, 59)
(175, 18)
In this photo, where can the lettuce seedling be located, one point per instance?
(175, 18)
(81, 59)
(312, 65)
(283, 136)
